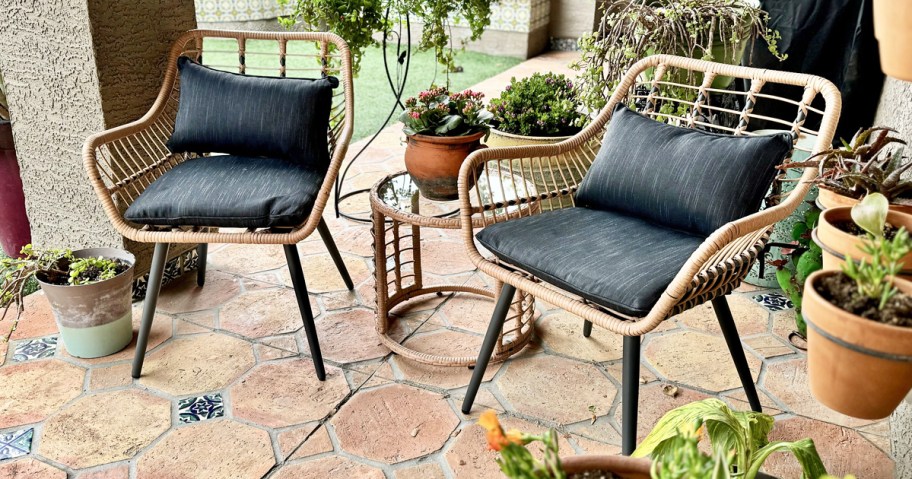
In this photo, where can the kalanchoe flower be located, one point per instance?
(438, 112)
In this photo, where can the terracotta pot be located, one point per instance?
(626, 467)
(830, 199)
(837, 244)
(94, 319)
(847, 367)
(15, 231)
(434, 162)
(893, 28)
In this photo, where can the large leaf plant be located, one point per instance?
(738, 435)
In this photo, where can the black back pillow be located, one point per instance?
(682, 178)
(246, 115)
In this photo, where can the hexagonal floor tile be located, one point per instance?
(321, 275)
(697, 359)
(333, 466)
(414, 423)
(104, 428)
(28, 467)
(788, 381)
(843, 450)
(654, 403)
(470, 458)
(219, 448)
(31, 391)
(556, 389)
(262, 313)
(247, 258)
(445, 343)
(162, 330)
(444, 257)
(285, 393)
(469, 311)
(563, 333)
(115, 472)
(750, 317)
(37, 320)
(184, 296)
(349, 337)
(198, 363)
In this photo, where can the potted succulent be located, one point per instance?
(89, 292)
(629, 30)
(893, 28)
(839, 235)
(861, 166)
(442, 129)
(738, 441)
(801, 261)
(14, 226)
(860, 324)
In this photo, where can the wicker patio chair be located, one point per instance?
(123, 162)
(717, 264)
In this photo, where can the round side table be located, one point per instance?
(397, 221)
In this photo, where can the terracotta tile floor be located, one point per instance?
(229, 391)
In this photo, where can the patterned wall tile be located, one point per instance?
(239, 10)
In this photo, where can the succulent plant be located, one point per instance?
(862, 166)
(806, 258)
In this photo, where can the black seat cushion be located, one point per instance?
(246, 115)
(229, 191)
(679, 177)
(612, 259)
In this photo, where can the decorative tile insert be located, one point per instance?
(16, 443)
(175, 267)
(773, 301)
(35, 349)
(200, 408)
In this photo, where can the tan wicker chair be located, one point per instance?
(122, 162)
(715, 269)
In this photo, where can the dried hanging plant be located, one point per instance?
(4, 105)
(715, 30)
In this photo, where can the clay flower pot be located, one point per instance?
(859, 367)
(94, 319)
(893, 28)
(830, 199)
(434, 161)
(837, 244)
(623, 466)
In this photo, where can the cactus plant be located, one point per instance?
(805, 259)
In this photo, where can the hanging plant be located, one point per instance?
(4, 104)
(358, 21)
(630, 30)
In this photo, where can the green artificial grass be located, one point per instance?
(373, 96)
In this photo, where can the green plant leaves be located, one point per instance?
(804, 451)
(871, 214)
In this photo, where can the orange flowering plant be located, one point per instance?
(517, 462)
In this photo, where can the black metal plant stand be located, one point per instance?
(403, 61)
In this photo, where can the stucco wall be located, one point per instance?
(75, 68)
(895, 110)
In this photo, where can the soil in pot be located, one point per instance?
(853, 229)
(842, 292)
(593, 475)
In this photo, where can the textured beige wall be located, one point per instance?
(573, 18)
(75, 68)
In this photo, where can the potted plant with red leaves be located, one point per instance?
(860, 323)
(442, 129)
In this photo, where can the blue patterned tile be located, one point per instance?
(34, 349)
(773, 301)
(16, 443)
(200, 408)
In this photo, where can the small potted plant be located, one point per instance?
(442, 129)
(860, 324)
(839, 235)
(893, 28)
(89, 291)
(801, 261)
(861, 166)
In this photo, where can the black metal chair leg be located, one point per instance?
(153, 286)
(300, 287)
(201, 251)
(630, 394)
(730, 331)
(587, 328)
(487, 347)
(334, 252)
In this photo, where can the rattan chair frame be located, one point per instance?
(121, 162)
